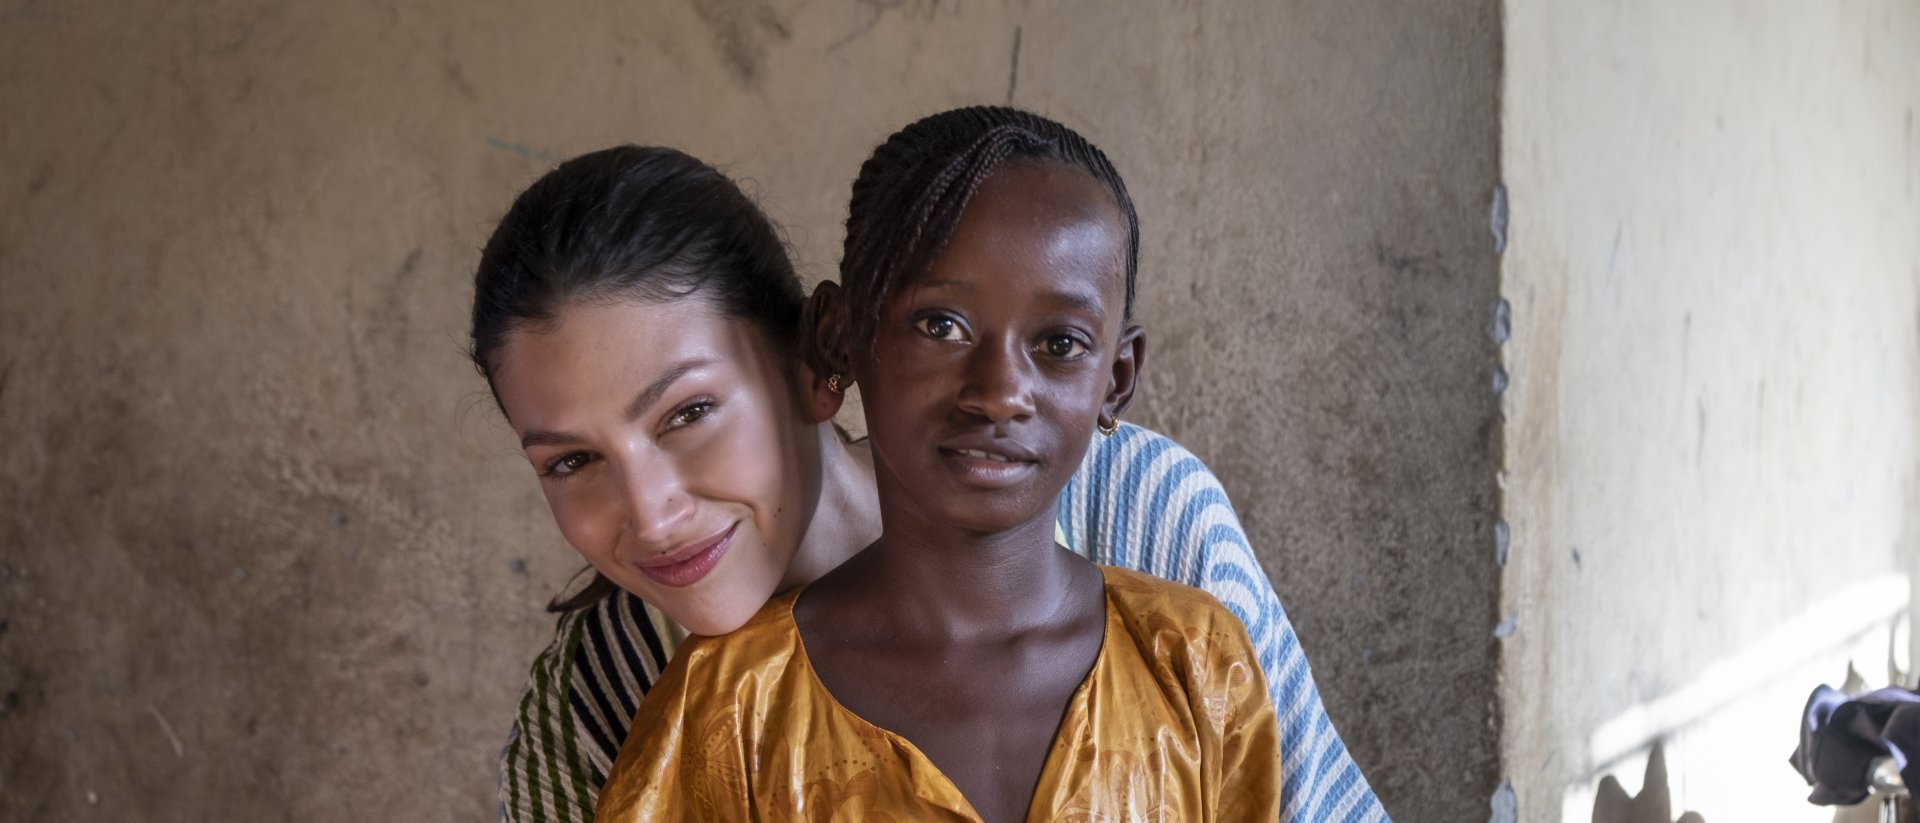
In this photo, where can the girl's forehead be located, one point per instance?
(1061, 185)
(1036, 223)
(1052, 202)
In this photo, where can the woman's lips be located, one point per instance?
(687, 565)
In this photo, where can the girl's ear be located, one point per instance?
(1127, 362)
(825, 372)
(820, 399)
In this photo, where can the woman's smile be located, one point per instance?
(674, 450)
(685, 566)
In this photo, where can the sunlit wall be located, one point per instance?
(1710, 441)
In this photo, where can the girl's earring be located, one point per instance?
(833, 384)
(1106, 429)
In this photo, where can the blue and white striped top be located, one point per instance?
(1138, 501)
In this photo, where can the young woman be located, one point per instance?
(965, 666)
(601, 288)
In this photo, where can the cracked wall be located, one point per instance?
(268, 550)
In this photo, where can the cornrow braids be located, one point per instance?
(910, 194)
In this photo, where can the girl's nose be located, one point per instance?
(999, 382)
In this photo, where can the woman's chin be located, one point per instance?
(711, 622)
(710, 597)
(714, 610)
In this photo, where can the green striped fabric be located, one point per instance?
(577, 707)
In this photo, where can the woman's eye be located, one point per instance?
(1065, 346)
(568, 464)
(690, 413)
(940, 327)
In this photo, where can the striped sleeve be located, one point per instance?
(577, 707)
(1142, 502)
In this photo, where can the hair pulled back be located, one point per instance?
(911, 192)
(632, 222)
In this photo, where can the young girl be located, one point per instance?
(964, 666)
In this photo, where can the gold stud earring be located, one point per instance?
(1106, 429)
(833, 384)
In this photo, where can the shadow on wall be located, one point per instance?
(1723, 736)
(1654, 804)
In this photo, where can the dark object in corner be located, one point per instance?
(1841, 736)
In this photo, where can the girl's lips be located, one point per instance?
(996, 472)
(686, 566)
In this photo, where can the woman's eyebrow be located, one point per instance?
(647, 397)
(545, 438)
(658, 388)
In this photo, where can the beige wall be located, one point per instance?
(267, 551)
(1710, 449)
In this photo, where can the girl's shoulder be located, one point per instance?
(1192, 650)
(1149, 604)
(765, 642)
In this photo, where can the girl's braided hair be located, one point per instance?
(912, 190)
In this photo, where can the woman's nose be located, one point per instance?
(657, 503)
(999, 382)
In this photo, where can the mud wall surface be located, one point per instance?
(1710, 449)
(266, 550)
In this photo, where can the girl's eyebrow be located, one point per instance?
(1071, 298)
(1084, 300)
(939, 283)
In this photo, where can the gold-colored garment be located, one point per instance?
(1173, 723)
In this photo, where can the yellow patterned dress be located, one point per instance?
(1173, 723)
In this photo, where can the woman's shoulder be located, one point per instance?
(1136, 447)
(1143, 501)
(1128, 455)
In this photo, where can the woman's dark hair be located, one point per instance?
(630, 222)
(911, 192)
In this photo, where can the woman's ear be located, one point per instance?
(1127, 362)
(825, 372)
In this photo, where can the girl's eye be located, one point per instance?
(940, 327)
(567, 464)
(1064, 346)
(689, 414)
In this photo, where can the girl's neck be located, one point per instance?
(954, 584)
(847, 517)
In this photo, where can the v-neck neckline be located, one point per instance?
(1076, 704)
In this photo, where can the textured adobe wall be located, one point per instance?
(1711, 444)
(267, 551)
